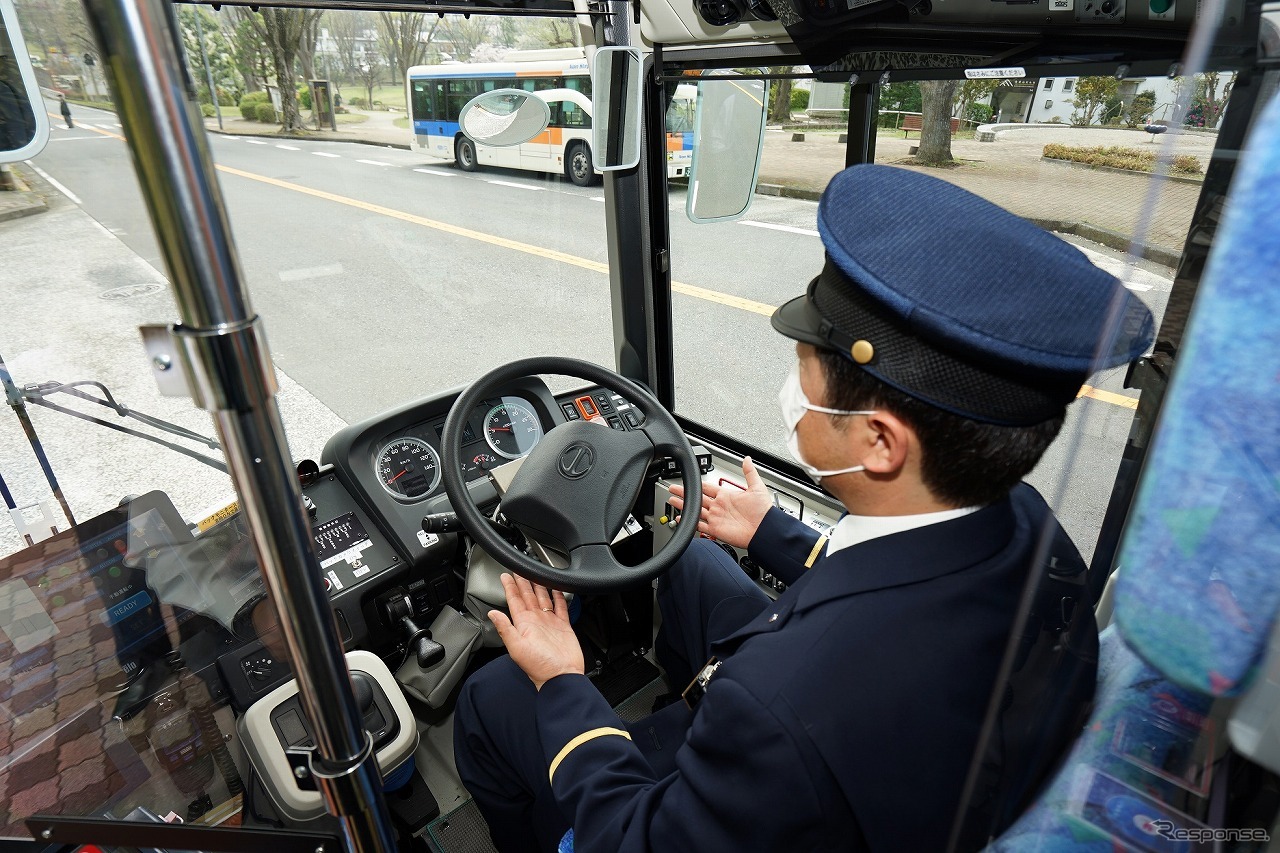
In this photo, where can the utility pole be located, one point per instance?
(204, 57)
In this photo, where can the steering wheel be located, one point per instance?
(575, 488)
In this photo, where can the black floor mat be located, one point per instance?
(618, 683)
(462, 830)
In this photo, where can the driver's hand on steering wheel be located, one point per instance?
(729, 513)
(538, 634)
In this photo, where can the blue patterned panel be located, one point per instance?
(1199, 581)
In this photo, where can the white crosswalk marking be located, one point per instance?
(325, 154)
(289, 147)
(373, 162)
(256, 142)
(438, 172)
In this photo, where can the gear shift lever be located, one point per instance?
(399, 612)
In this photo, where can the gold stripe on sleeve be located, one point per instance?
(817, 549)
(579, 741)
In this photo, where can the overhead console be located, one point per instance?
(840, 37)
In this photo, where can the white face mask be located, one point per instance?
(794, 404)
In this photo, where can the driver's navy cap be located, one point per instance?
(957, 302)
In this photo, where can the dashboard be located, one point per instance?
(375, 482)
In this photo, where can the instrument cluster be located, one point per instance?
(497, 431)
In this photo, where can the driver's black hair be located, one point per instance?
(965, 462)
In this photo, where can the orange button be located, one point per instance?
(587, 406)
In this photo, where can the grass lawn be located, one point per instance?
(391, 96)
(402, 122)
(351, 118)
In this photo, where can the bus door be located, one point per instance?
(539, 153)
(431, 127)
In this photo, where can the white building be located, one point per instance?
(1054, 98)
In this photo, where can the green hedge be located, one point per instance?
(207, 110)
(1117, 157)
(249, 104)
(267, 114)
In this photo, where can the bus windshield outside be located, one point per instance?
(436, 95)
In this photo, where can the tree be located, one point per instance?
(973, 92)
(1091, 95)
(251, 54)
(937, 98)
(1206, 103)
(544, 33)
(402, 40)
(307, 47)
(368, 71)
(1140, 108)
(217, 49)
(489, 53)
(464, 34)
(904, 97)
(348, 31)
(283, 29)
(780, 102)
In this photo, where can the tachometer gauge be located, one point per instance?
(512, 430)
(408, 468)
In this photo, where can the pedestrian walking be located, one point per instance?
(65, 109)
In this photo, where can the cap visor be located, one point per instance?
(799, 320)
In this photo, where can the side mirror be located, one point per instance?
(616, 99)
(504, 117)
(24, 127)
(728, 137)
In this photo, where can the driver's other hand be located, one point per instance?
(729, 513)
(538, 634)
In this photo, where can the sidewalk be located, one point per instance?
(1107, 207)
(22, 201)
(378, 128)
(73, 298)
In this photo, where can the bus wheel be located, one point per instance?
(577, 166)
(464, 154)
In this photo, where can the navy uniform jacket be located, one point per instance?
(844, 717)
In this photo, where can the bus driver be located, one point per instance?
(937, 352)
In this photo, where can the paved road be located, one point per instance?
(382, 275)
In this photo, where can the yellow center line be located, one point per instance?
(1108, 397)
(494, 240)
(745, 92)
(706, 294)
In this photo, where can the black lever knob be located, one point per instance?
(418, 640)
(363, 689)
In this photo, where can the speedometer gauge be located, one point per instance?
(512, 429)
(408, 468)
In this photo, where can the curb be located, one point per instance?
(29, 209)
(224, 132)
(1112, 240)
(780, 191)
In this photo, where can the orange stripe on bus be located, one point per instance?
(550, 136)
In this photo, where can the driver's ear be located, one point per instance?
(887, 443)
